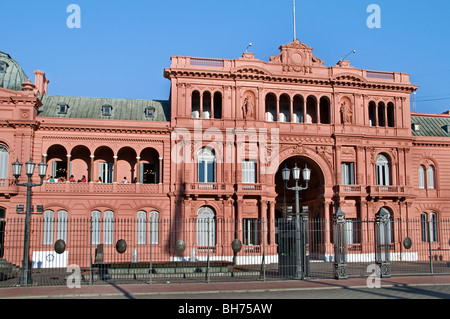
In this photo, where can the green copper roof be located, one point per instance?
(431, 126)
(92, 108)
(11, 74)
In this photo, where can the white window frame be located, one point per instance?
(348, 173)
(383, 171)
(4, 161)
(49, 218)
(431, 177)
(421, 177)
(205, 160)
(249, 171)
(206, 227)
(108, 227)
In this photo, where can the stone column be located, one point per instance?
(115, 169)
(138, 170)
(91, 175)
(68, 167)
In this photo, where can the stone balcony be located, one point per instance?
(8, 187)
(214, 189)
(102, 188)
(377, 191)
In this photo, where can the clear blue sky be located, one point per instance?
(123, 47)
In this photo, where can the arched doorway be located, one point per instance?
(311, 197)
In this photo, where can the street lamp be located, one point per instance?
(25, 278)
(300, 241)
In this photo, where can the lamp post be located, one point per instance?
(25, 278)
(300, 241)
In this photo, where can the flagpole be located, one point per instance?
(295, 35)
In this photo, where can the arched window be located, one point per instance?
(381, 114)
(383, 170)
(430, 177)
(62, 226)
(324, 110)
(390, 115)
(428, 224)
(95, 227)
(285, 108)
(48, 227)
(421, 177)
(298, 109)
(271, 107)
(154, 227)
(206, 227)
(206, 105)
(4, 161)
(206, 166)
(311, 109)
(372, 114)
(386, 234)
(217, 105)
(108, 228)
(195, 105)
(141, 227)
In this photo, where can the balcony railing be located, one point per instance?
(208, 188)
(99, 188)
(243, 187)
(8, 186)
(383, 191)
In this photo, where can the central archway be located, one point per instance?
(312, 197)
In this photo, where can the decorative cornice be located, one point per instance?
(59, 128)
(345, 81)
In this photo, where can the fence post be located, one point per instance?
(208, 278)
(263, 261)
(383, 235)
(90, 252)
(304, 220)
(340, 246)
(429, 246)
(151, 244)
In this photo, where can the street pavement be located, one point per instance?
(422, 287)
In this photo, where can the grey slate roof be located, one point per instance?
(14, 76)
(91, 108)
(431, 126)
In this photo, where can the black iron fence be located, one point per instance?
(71, 251)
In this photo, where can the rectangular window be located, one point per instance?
(106, 172)
(48, 227)
(352, 231)
(249, 172)
(250, 231)
(348, 173)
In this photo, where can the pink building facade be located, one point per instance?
(216, 148)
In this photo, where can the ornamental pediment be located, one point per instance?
(349, 77)
(250, 70)
(296, 57)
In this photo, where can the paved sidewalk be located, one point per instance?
(113, 290)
